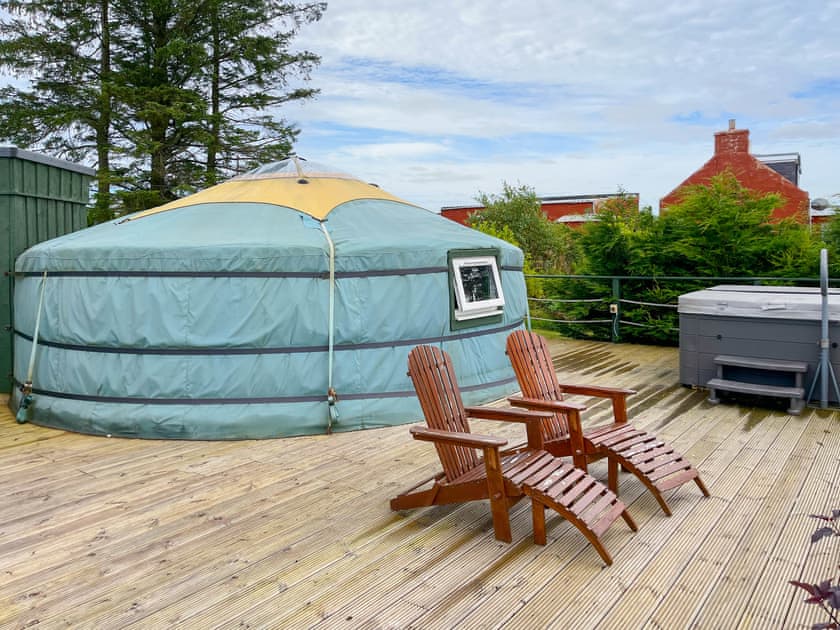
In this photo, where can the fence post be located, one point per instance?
(616, 297)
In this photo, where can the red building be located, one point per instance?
(763, 174)
(574, 210)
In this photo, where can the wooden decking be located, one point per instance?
(108, 533)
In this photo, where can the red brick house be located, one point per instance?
(573, 210)
(763, 174)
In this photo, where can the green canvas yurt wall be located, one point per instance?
(281, 303)
(40, 198)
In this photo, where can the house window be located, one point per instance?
(477, 296)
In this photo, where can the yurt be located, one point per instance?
(282, 302)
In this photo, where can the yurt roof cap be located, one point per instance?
(294, 166)
(296, 183)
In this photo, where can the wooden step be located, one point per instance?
(794, 393)
(755, 388)
(775, 365)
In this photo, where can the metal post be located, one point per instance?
(616, 299)
(824, 368)
(825, 361)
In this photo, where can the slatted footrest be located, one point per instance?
(576, 496)
(654, 462)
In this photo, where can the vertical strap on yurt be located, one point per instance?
(26, 387)
(332, 397)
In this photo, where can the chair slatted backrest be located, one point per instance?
(531, 360)
(434, 381)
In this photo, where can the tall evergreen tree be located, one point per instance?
(64, 48)
(250, 68)
(718, 229)
(161, 59)
(163, 96)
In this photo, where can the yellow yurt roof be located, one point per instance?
(293, 183)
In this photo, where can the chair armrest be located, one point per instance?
(545, 405)
(492, 469)
(596, 390)
(618, 396)
(506, 415)
(533, 421)
(471, 440)
(571, 411)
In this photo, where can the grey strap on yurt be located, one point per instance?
(332, 396)
(26, 388)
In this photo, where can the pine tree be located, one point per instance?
(250, 71)
(163, 96)
(161, 58)
(64, 47)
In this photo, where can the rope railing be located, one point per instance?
(656, 304)
(599, 300)
(615, 300)
(572, 321)
(638, 325)
(605, 299)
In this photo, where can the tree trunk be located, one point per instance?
(215, 116)
(103, 209)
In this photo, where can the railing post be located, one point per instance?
(616, 299)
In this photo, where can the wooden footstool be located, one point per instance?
(579, 498)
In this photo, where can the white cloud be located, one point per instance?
(426, 110)
(393, 150)
(439, 100)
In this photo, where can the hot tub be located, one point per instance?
(773, 323)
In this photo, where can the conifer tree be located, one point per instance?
(160, 60)
(162, 96)
(251, 68)
(63, 47)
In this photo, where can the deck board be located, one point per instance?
(296, 533)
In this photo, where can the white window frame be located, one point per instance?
(465, 309)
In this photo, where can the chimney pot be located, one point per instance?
(732, 140)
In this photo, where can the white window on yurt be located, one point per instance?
(477, 287)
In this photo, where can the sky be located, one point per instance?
(437, 101)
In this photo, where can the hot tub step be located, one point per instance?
(794, 393)
(774, 365)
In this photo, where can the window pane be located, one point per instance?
(478, 282)
(477, 294)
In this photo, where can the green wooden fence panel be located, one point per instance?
(40, 198)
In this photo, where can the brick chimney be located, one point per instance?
(732, 140)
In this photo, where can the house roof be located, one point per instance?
(776, 173)
(577, 218)
(788, 165)
(570, 199)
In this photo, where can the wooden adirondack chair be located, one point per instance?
(582, 500)
(657, 465)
